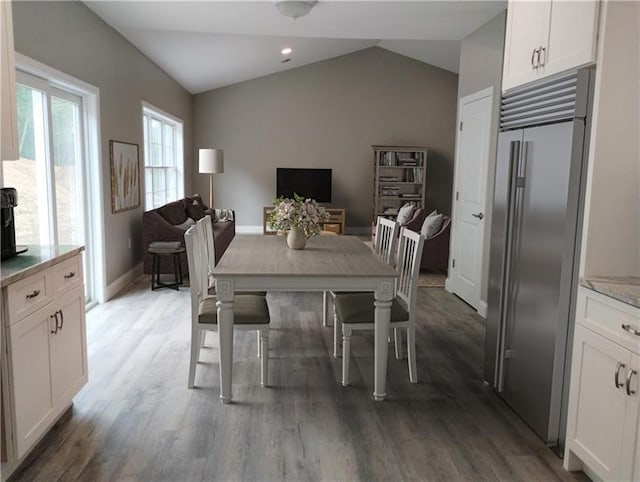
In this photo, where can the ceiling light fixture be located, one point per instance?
(286, 51)
(295, 8)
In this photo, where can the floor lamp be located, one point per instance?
(211, 161)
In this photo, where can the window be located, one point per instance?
(163, 159)
(50, 175)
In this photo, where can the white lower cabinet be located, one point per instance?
(604, 402)
(44, 362)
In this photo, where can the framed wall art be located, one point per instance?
(125, 176)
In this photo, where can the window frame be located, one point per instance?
(152, 112)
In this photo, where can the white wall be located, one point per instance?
(71, 38)
(611, 240)
(481, 54)
(327, 115)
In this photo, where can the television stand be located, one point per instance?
(334, 225)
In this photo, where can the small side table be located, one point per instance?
(155, 271)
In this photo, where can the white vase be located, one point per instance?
(296, 238)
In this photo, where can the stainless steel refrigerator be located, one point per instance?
(534, 252)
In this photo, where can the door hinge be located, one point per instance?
(460, 125)
(453, 263)
(508, 354)
(520, 182)
(457, 195)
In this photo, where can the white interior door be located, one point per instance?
(470, 189)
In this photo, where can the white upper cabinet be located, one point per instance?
(9, 124)
(547, 37)
(527, 29)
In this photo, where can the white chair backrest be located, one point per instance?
(408, 267)
(386, 234)
(196, 258)
(206, 231)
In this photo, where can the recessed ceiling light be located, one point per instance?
(286, 51)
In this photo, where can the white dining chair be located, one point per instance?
(250, 311)
(205, 228)
(355, 311)
(386, 235)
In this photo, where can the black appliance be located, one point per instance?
(8, 200)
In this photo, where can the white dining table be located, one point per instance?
(337, 263)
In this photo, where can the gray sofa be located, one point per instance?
(167, 223)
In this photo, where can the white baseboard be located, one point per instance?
(124, 281)
(447, 285)
(483, 308)
(248, 229)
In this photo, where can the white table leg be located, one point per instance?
(383, 296)
(224, 293)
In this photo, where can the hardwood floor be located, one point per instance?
(136, 419)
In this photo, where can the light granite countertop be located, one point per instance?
(35, 259)
(625, 289)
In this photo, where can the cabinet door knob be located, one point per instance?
(630, 329)
(533, 56)
(630, 373)
(616, 378)
(478, 215)
(69, 275)
(542, 56)
(33, 294)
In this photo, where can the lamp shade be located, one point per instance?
(211, 161)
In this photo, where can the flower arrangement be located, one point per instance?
(297, 212)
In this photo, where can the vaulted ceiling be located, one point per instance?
(209, 44)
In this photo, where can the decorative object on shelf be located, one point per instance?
(295, 8)
(298, 212)
(125, 176)
(211, 161)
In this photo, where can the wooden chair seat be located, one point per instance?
(359, 308)
(247, 310)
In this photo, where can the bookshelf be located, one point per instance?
(399, 176)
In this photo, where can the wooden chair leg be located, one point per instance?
(264, 358)
(411, 353)
(346, 354)
(195, 351)
(325, 308)
(259, 333)
(397, 335)
(336, 333)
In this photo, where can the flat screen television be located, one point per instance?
(308, 183)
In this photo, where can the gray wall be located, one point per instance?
(327, 115)
(71, 38)
(480, 68)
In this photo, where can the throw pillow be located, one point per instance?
(223, 215)
(405, 213)
(195, 210)
(186, 225)
(431, 225)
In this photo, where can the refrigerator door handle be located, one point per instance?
(514, 168)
